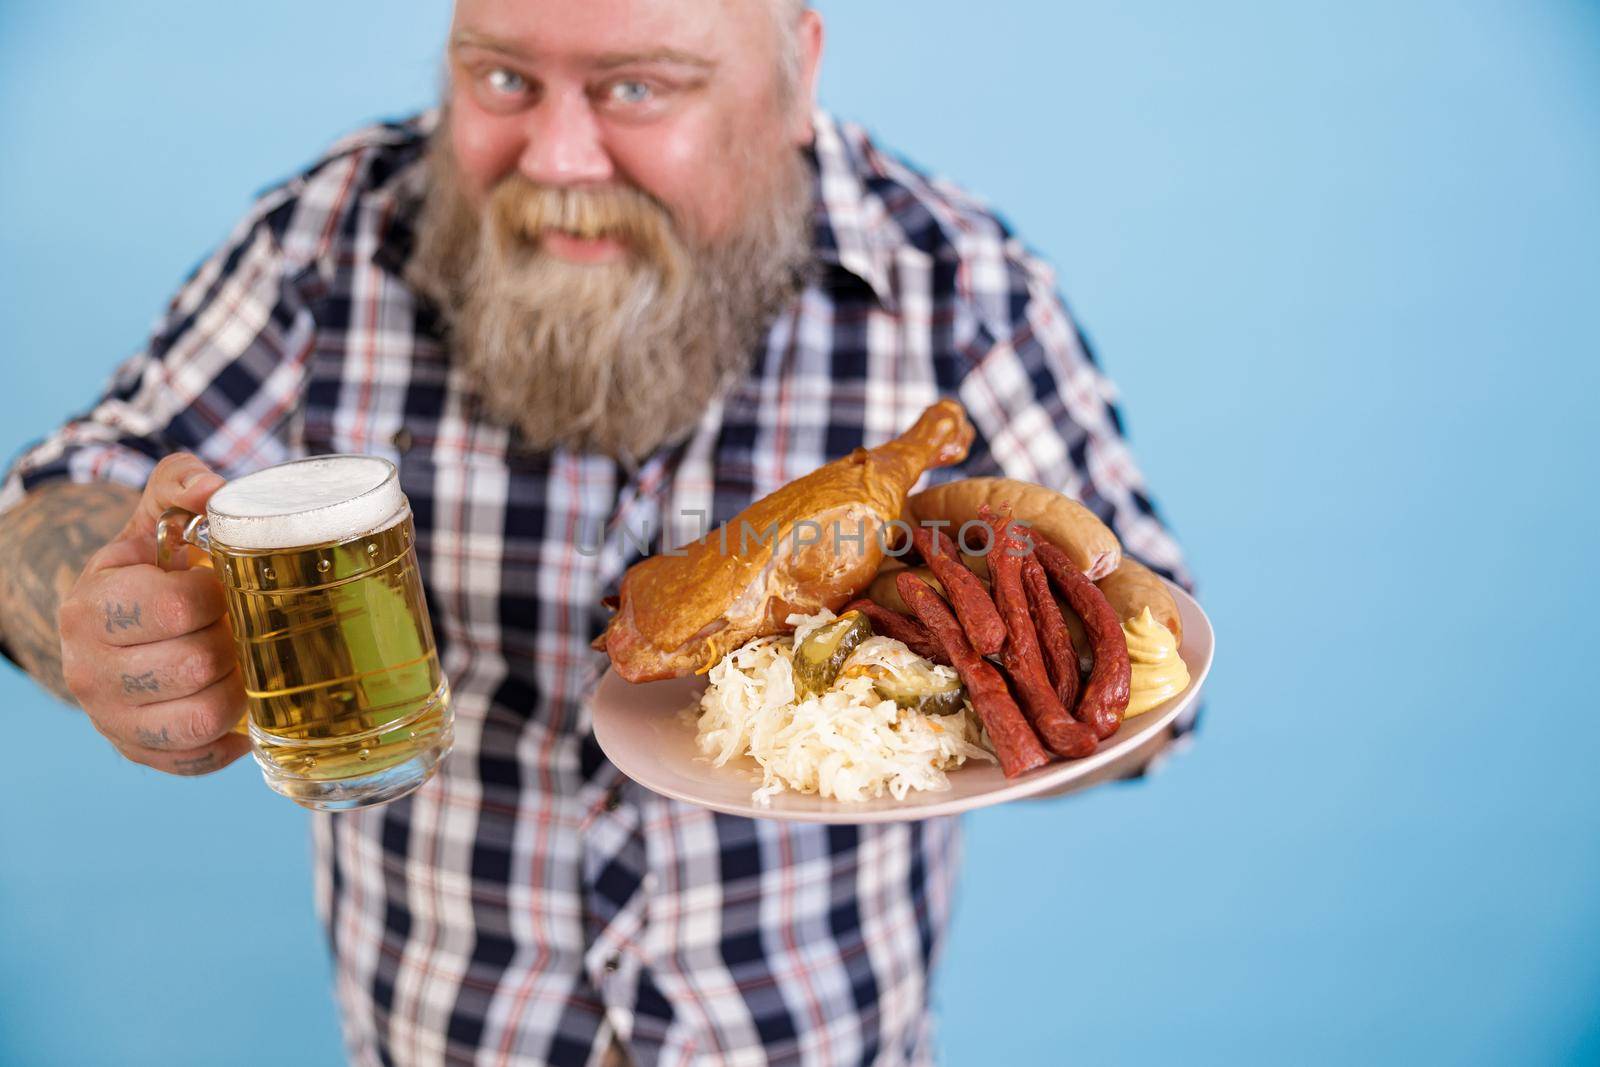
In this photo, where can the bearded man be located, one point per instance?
(626, 277)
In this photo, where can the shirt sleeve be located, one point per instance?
(221, 376)
(1045, 413)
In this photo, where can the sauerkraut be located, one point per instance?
(848, 743)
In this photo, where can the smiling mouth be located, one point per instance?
(582, 232)
(587, 247)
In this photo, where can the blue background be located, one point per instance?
(1343, 260)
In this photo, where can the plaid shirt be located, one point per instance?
(529, 905)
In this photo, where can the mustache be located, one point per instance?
(525, 210)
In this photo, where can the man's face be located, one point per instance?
(672, 97)
(617, 205)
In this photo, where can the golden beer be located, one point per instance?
(347, 704)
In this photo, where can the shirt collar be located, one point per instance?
(399, 201)
(851, 225)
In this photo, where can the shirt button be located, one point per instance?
(613, 798)
(611, 964)
(401, 440)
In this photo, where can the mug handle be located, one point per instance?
(176, 530)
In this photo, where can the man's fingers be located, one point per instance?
(188, 762)
(141, 604)
(187, 722)
(180, 480)
(168, 670)
(124, 551)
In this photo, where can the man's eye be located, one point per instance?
(505, 81)
(629, 92)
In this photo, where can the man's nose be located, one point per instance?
(565, 143)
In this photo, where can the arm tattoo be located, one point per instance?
(44, 542)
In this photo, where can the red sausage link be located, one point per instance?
(902, 628)
(1014, 740)
(1056, 639)
(1022, 659)
(971, 604)
(1105, 695)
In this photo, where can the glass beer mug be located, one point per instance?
(317, 558)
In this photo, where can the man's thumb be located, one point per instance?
(180, 480)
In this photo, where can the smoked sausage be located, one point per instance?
(972, 605)
(1022, 659)
(1055, 637)
(1105, 694)
(903, 628)
(1015, 743)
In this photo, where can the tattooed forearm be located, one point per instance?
(44, 542)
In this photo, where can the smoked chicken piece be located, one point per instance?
(811, 545)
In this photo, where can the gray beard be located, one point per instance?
(620, 359)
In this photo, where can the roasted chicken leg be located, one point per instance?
(813, 544)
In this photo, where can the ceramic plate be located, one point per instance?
(643, 731)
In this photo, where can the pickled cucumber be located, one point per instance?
(819, 657)
(926, 693)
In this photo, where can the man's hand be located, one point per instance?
(147, 652)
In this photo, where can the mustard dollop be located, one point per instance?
(1159, 673)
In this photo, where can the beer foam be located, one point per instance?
(307, 502)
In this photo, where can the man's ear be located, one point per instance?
(809, 41)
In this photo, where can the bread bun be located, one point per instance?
(1059, 519)
(1132, 587)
